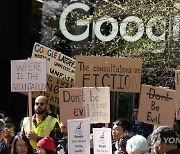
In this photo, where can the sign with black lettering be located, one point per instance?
(120, 74)
(28, 75)
(102, 140)
(60, 72)
(58, 64)
(77, 103)
(52, 89)
(157, 105)
(79, 136)
(177, 87)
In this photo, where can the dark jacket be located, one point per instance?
(3, 148)
(62, 147)
(175, 151)
(142, 129)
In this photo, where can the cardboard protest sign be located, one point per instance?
(157, 105)
(58, 64)
(177, 88)
(60, 72)
(102, 140)
(28, 75)
(79, 136)
(120, 74)
(85, 102)
(52, 89)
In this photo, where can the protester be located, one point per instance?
(164, 140)
(21, 145)
(3, 146)
(123, 141)
(120, 127)
(46, 146)
(42, 123)
(137, 144)
(9, 132)
(138, 127)
(62, 147)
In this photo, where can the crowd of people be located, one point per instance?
(47, 135)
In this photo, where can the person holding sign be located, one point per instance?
(42, 124)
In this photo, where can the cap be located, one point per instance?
(47, 143)
(9, 122)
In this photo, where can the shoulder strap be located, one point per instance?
(48, 126)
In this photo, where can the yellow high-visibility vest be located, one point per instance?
(43, 128)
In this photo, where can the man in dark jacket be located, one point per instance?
(164, 141)
(138, 127)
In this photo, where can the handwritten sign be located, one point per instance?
(78, 136)
(85, 102)
(157, 105)
(102, 140)
(58, 64)
(120, 74)
(52, 89)
(28, 75)
(60, 72)
(177, 87)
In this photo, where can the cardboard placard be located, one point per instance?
(52, 89)
(85, 102)
(79, 136)
(58, 64)
(120, 74)
(177, 88)
(157, 105)
(60, 72)
(28, 75)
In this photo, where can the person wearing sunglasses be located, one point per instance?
(43, 124)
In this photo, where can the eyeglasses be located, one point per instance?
(39, 104)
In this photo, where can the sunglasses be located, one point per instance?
(41, 104)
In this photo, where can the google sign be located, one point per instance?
(122, 28)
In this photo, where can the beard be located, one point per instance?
(40, 112)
